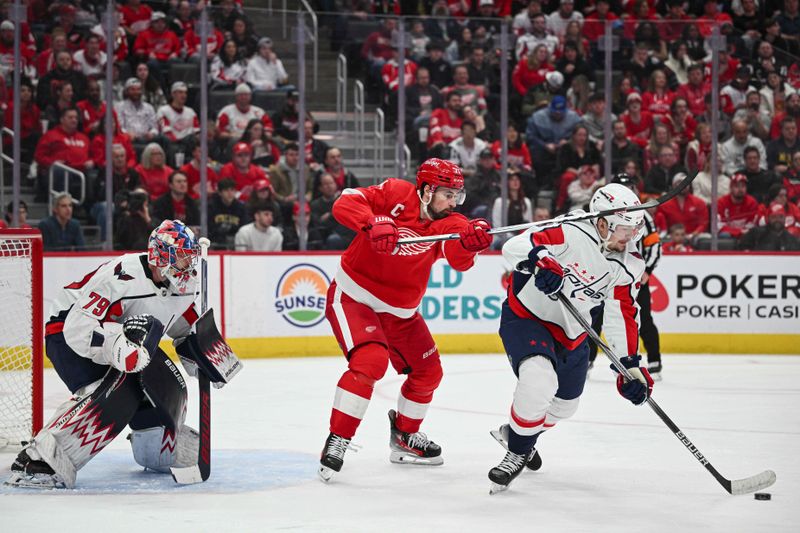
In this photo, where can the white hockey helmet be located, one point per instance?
(622, 224)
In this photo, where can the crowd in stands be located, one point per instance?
(253, 157)
(660, 115)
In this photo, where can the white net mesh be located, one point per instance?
(16, 321)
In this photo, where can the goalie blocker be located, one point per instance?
(206, 351)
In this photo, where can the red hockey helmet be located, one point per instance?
(440, 173)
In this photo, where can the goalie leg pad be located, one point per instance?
(165, 390)
(85, 424)
(159, 448)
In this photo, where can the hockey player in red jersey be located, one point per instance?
(372, 303)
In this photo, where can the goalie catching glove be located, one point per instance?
(638, 389)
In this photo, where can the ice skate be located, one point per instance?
(534, 461)
(503, 474)
(654, 367)
(412, 448)
(28, 473)
(332, 457)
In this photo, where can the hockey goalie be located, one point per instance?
(102, 338)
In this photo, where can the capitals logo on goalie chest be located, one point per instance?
(301, 294)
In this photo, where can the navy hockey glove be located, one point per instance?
(639, 389)
(382, 234)
(548, 274)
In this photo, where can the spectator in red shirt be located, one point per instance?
(30, 122)
(638, 122)
(192, 171)
(594, 25)
(711, 17)
(377, 49)
(677, 242)
(390, 72)
(92, 109)
(62, 144)
(191, 41)
(695, 90)
(686, 209)
(445, 125)
(154, 170)
(7, 49)
(241, 170)
(737, 211)
(531, 70)
(135, 17)
(657, 99)
(97, 146)
(158, 46)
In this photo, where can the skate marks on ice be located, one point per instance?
(235, 471)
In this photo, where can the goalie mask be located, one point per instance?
(173, 250)
(622, 226)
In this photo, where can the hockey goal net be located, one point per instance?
(21, 335)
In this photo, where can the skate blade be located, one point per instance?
(34, 481)
(402, 458)
(325, 474)
(656, 376)
(499, 437)
(497, 488)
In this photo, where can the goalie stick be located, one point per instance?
(202, 470)
(736, 486)
(672, 193)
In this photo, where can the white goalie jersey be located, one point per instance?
(591, 277)
(90, 312)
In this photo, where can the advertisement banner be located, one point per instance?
(274, 304)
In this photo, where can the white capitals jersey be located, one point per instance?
(90, 311)
(591, 277)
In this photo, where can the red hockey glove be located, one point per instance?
(636, 390)
(382, 233)
(474, 237)
(549, 276)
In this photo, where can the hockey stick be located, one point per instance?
(672, 193)
(202, 470)
(736, 486)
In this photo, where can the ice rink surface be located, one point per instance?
(612, 467)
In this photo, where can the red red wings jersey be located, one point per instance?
(737, 218)
(393, 283)
(443, 128)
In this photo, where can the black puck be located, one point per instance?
(763, 496)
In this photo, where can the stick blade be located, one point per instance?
(753, 483)
(187, 476)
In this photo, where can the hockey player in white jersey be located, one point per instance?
(102, 338)
(591, 262)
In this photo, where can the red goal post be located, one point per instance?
(21, 335)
